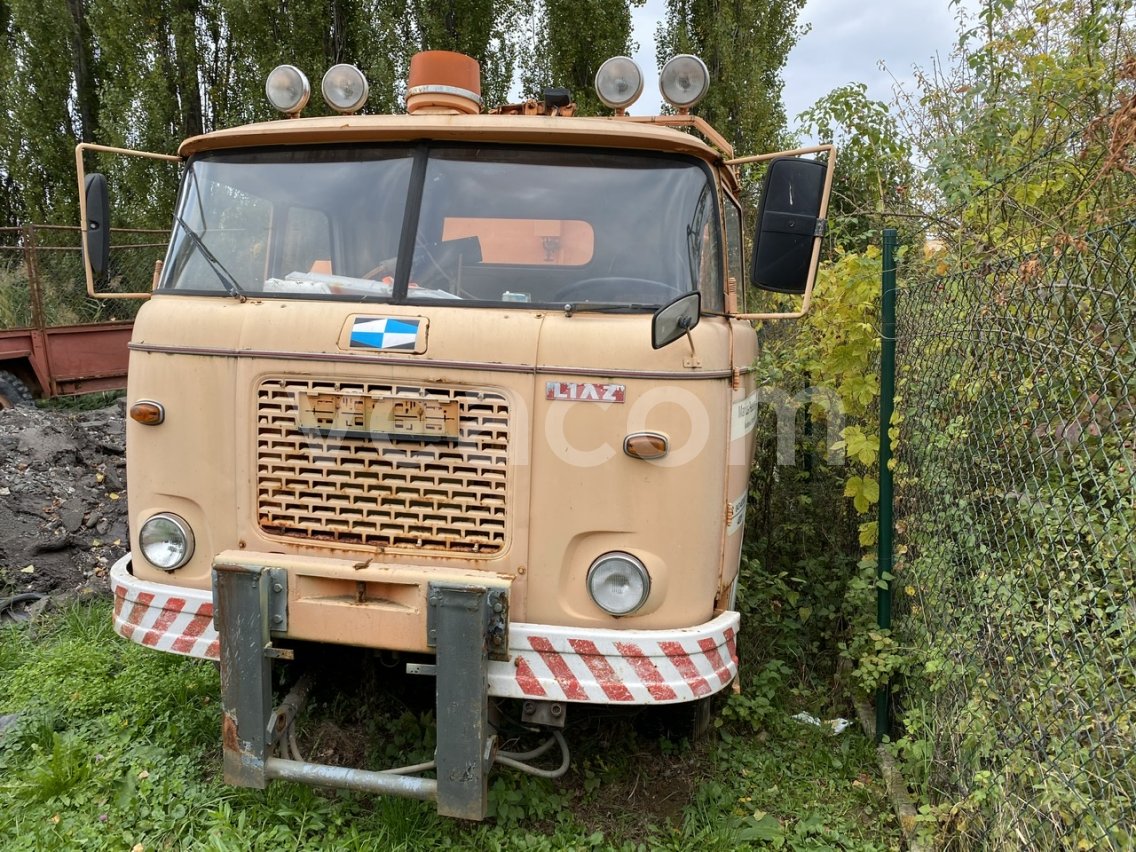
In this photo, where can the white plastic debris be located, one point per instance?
(838, 725)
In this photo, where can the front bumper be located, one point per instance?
(545, 662)
(168, 618)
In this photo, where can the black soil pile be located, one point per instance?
(62, 500)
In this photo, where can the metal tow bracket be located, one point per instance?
(241, 613)
(467, 625)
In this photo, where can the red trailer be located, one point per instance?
(42, 357)
(67, 359)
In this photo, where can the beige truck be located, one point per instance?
(470, 387)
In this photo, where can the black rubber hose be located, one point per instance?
(25, 597)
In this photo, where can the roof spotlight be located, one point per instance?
(287, 89)
(344, 88)
(684, 81)
(619, 82)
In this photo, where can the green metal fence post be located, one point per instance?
(887, 404)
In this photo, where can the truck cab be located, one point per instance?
(472, 388)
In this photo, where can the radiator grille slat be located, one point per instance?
(442, 496)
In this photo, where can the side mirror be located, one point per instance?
(675, 319)
(98, 222)
(788, 224)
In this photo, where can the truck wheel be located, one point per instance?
(13, 392)
(688, 721)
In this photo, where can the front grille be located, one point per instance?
(355, 486)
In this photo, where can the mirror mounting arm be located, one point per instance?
(80, 171)
(819, 230)
(690, 340)
(796, 152)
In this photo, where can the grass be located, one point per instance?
(81, 402)
(117, 745)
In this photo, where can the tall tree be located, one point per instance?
(48, 100)
(477, 28)
(147, 73)
(566, 41)
(874, 175)
(85, 72)
(1020, 135)
(581, 35)
(250, 37)
(150, 99)
(40, 129)
(11, 204)
(181, 65)
(744, 43)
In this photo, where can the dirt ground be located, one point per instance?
(63, 518)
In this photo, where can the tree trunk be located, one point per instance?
(183, 29)
(83, 64)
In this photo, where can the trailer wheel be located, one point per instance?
(13, 392)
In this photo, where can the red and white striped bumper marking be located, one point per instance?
(168, 618)
(596, 666)
(617, 666)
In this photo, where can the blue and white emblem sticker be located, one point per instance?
(387, 333)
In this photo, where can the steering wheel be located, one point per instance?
(617, 288)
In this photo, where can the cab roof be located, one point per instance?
(530, 130)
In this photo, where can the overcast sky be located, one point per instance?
(847, 41)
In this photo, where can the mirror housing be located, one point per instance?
(788, 224)
(97, 225)
(675, 319)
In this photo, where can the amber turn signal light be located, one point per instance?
(147, 413)
(646, 445)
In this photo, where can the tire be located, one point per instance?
(687, 721)
(13, 392)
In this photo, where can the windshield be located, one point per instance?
(459, 223)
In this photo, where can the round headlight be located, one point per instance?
(619, 82)
(287, 89)
(166, 541)
(344, 88)
(619, 583)
(684, 81)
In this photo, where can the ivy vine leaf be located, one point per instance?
(869, 533)
(861, 388)
(864, 491)
(863, 448)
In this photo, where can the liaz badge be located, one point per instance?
(397, 334)
(584, 391)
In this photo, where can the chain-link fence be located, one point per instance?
(1016, 534)
(42, 281)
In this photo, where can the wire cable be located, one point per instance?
(541, 773)
(529, 755)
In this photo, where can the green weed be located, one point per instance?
(64, 766)
(118, 745)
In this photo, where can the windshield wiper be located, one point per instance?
(694, 234)
(223, 275)
(606, 308)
